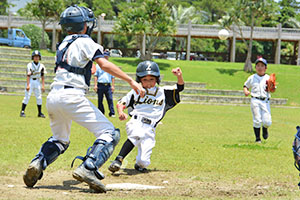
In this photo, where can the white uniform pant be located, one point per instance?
(261, 113)
(70, 104)
(35, 87)
(143, 137)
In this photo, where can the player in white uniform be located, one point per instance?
(67, 102)
(260, 99)
(35, 71)
(146, 113)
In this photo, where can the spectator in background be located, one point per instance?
(105, 85)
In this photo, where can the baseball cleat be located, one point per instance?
(115, 166)
(22, 114)
(84, 175)
(140, 169)
(33, 173)
(258, 141)
(41, 115)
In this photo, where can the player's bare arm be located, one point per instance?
(117, 72)
(120, 108)
(95, 84)
(43, 83)
(246, 91)
(177, 72)
(112, 85)
(28, 83)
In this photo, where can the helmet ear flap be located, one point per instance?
(137, 79)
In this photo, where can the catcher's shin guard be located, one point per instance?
(50, 151)
(96, 156)
(48, 154)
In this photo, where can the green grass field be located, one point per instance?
(204, 151)
(207, 144)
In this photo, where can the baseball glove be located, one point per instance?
(271, 83)
(296, 148)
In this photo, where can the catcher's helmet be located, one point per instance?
(147, 68)
(262, 60)
(74, 18)
(36, 53)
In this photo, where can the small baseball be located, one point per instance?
(223, 34)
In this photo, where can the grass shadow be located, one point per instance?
(230, 72)
(135, 62)
(253, 146)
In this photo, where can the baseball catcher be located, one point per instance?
(296, 150)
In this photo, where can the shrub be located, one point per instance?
(35, 34)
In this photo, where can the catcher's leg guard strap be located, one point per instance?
(50, 151)
(98, 154)
(101, 151)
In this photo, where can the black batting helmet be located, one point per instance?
(36, 53)
(147, 68)
(74, 18)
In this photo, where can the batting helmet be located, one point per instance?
(36, 53)
(262, 60)
(74, 18)
(147, 68)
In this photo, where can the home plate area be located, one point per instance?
(131, 186)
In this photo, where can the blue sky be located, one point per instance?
(18, 4)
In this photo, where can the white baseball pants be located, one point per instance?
(143, 137)
(261, 113)
(65, 105)
(35, 87)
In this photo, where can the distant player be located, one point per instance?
(67, 102)
(35, 71)
(260, 99)
(146, 113)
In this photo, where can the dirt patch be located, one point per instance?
(61, 185)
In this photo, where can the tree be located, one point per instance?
(4, 5)
(288, 12)
(45, 11)
(181, 15)
(250, 13)
(34, 33)
(151, 19)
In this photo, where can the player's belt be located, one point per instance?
(34, 79)
(105, 84)
(261, 98)
(144, 119)
(67, 86)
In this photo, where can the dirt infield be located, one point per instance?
(61, 185)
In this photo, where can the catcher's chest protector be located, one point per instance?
(296, 150)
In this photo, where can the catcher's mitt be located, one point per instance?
(271, 83)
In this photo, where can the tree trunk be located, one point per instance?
(248, 63)
(43, 44)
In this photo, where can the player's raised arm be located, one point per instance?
(177, 72)
(117, 72)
